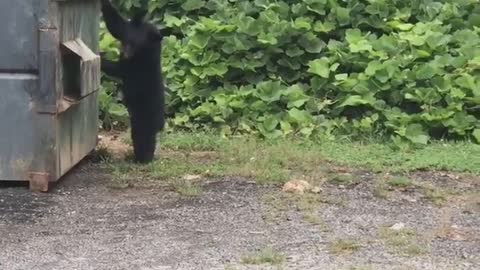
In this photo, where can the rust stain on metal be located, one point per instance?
(39, 181)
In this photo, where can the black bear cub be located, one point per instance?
(139, 69)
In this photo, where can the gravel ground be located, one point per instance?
(84, 224)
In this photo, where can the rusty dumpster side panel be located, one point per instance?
(48, 109)
(27, 139)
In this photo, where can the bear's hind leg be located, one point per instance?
(144, 139)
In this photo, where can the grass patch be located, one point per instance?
(276, 161)
(120, 183)
(264, 256)
(344, 179)
(313, 219)
(400, 182)
(316, 221)
(380, 156)
(186, 188)
(121, 174)
(126, 139)
(436, 196)
(192, 142)
(405, 241)
(101, 155)
(307, 202)
(380, 189)
(343, 246)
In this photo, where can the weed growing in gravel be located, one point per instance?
(344, 179)
(344, 246)
(400, 182)
(186, 188)
(380, 189)
(405, 241)
(436, 196)
(101, 154)
(264, 256)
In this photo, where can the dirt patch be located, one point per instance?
(114, 145)
(84, 224)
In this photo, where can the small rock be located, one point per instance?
(340, 169)
(192, 177)
(398, 226)
(454, 233)
(296, 186)
(316, 190)
(409, 199)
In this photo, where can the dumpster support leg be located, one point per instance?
(39, 182)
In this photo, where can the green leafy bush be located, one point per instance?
(405, 68)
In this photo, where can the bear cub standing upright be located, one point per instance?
(139, 68)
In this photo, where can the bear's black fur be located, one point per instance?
(139, 68)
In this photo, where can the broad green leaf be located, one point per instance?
(302, 23)
(476, 135)
(296, 97)
(286, 127)
(342, 15)
(466, 81)
(357, 42)
(426, 71)
(353, 100)
(334, 66)
(341, 77)
(200, 40)
(267, 38)
(360, 46)
(353, 36)
(324, 27)
(400, 26)
(171, 21)
(320, 67)
(246, 24)
(270, 91)
(270, 122)
(300, 116)
(294, 52)
(416, 134)
(290, 63)
(311, 43)
(373, 67)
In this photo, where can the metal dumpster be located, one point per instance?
(49, 77)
